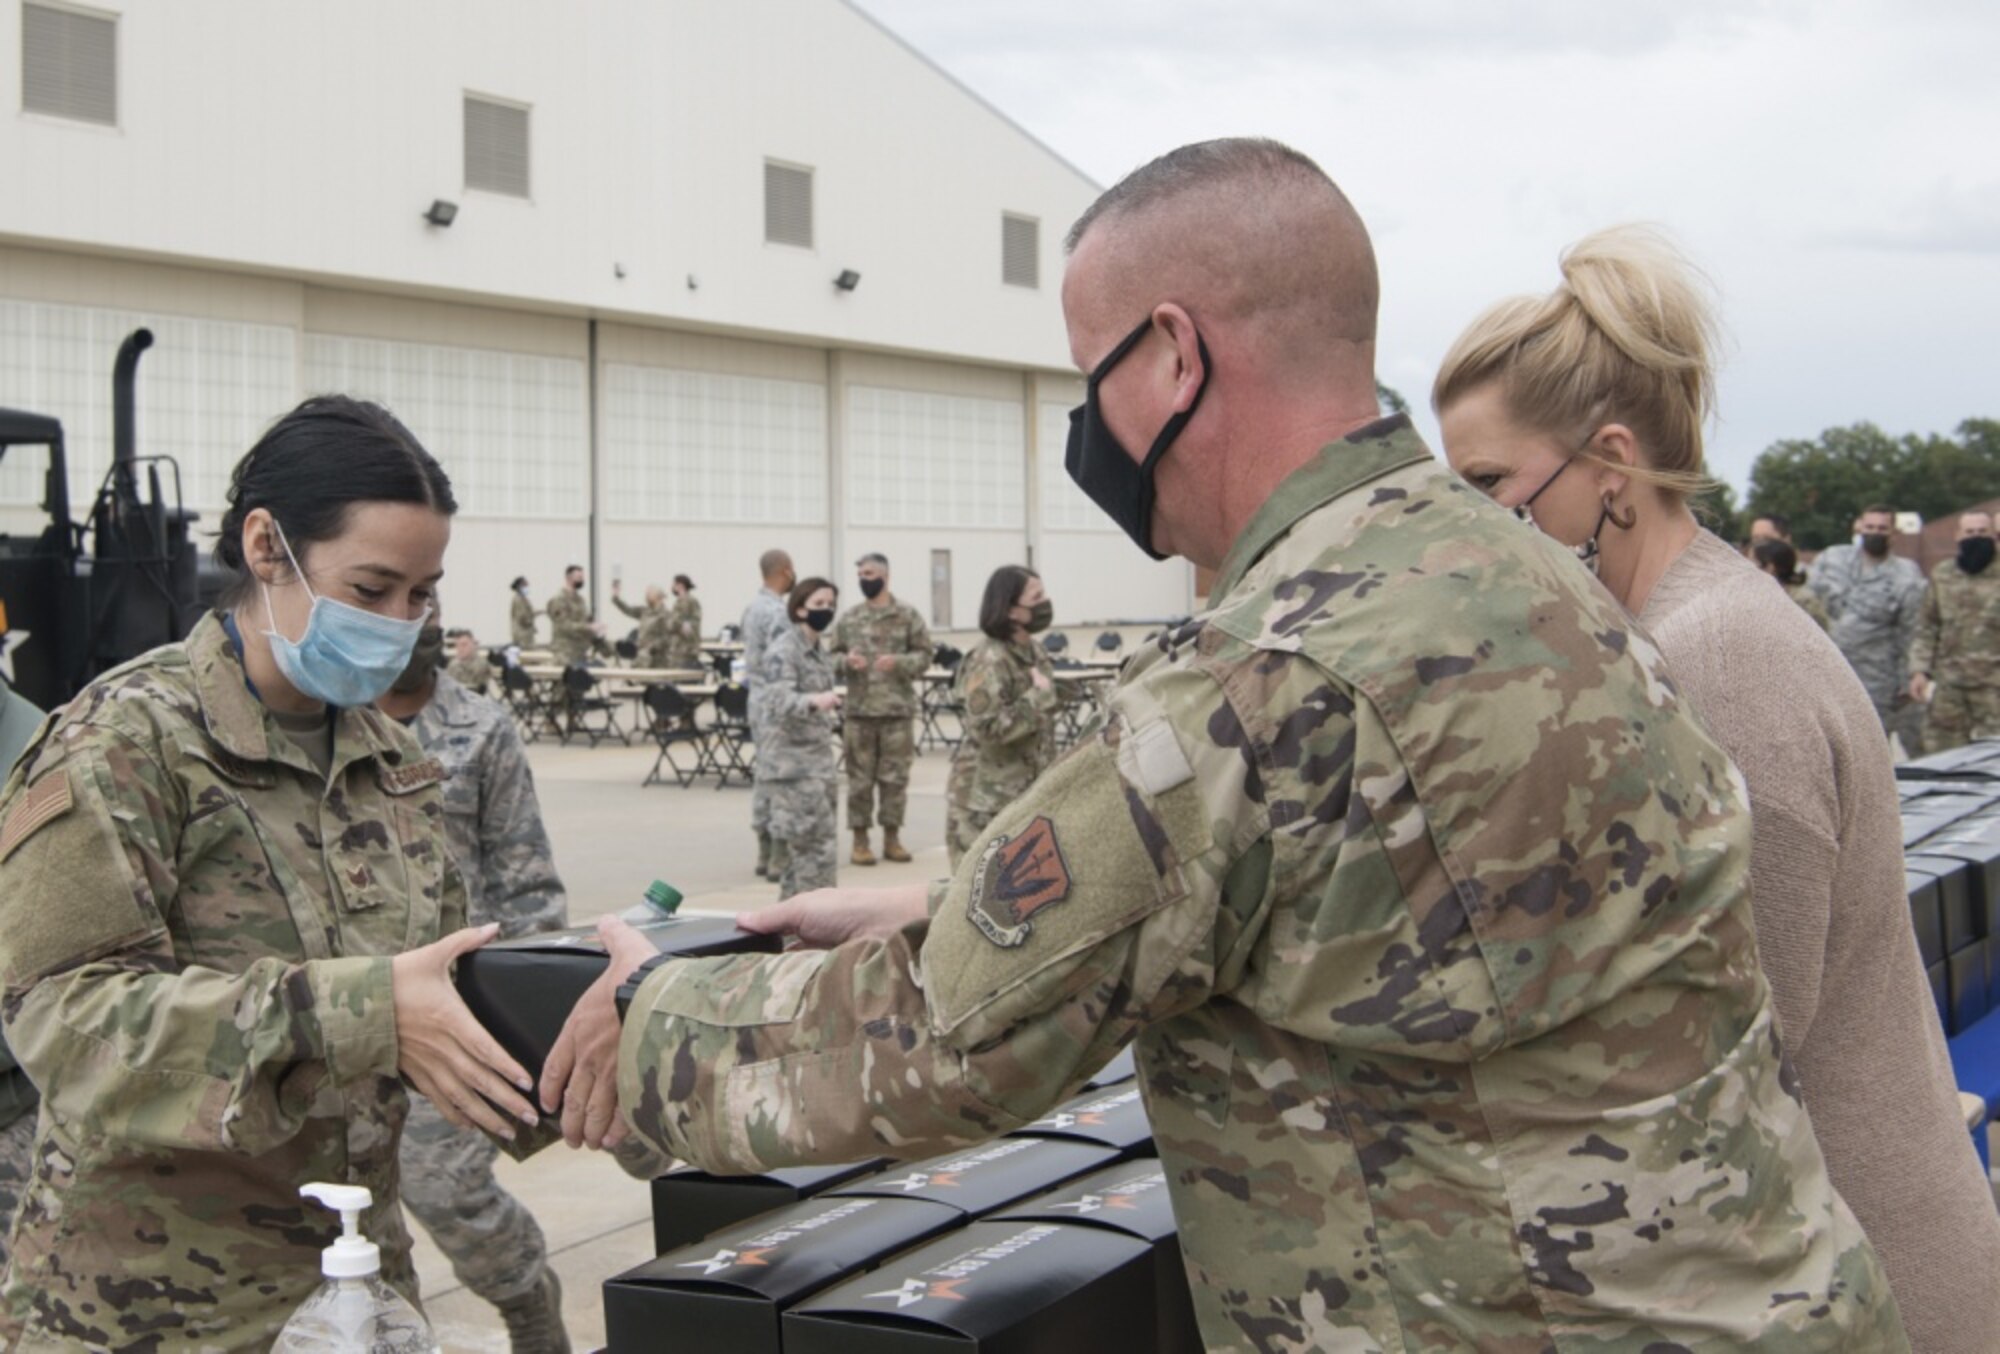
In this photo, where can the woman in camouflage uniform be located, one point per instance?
(655, 638)
(521, 616)
(684, 626)
(795, 746)
(223, 879)
(1780, 561)
(1008, 705)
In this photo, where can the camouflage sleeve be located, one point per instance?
(1924, 642)
(635, 612)
(1916, 592)
(1126, 887)
(915, 660)
(841, 637)
(122, 1037)
(997, 712)
(518, 886)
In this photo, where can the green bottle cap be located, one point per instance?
(663, 897)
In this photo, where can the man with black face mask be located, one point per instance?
(881, 646)
(1873, 597)
(1955, 659)
(1423, 900)
(493, 824)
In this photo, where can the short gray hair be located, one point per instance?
(1203, 164)
(873, 557)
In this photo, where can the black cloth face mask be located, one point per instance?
(1116, 483)
(871, 588)
(819, 617)
(1975, 553)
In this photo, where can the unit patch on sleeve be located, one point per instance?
(1017, 877)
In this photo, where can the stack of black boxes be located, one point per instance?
(1951, 845)
(1059, 1237)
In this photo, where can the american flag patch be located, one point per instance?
(46, 800)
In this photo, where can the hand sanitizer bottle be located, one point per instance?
(353, 1312)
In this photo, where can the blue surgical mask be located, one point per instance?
(347, 656)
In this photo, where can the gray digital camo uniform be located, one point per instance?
(762, 620)
(494, 825)
(1427, 906)
(1874, 606)
(795, 759)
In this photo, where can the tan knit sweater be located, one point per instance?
(1834, 934)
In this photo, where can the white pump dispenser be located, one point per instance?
(352, 1256)
(353, 1311)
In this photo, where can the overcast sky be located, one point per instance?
(1834, 166)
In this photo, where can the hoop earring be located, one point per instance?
(1624, 523)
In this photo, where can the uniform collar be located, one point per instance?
(1367, 453)
(240, 724)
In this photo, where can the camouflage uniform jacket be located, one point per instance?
(491, 816)
(1874, 609)
(763, 620)
(794, 741)
(570, 634)
(655, 632)
(1958, 628)
(19, 718)
(474, 674)
(522, 621)
(1009, 722)
(1428, 908)
(1809, 603)
(894, 631)
(195, 934)
(684, 633)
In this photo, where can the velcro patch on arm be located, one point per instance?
(43, 802)
(1151, 758)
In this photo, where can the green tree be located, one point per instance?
(1391, 399)
(1820, 484)
(1717, 510)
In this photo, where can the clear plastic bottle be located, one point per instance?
(353, 1312)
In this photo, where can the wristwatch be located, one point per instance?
(628, 990)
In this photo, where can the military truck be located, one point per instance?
(83, 595)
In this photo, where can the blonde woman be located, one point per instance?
(1583, 411)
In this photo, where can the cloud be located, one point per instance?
(1953, 218)
(1826, 163)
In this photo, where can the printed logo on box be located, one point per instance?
(757, 1247)
(942, 1281)
(946, 1176)
(1090, 1115)
(1122, 1198)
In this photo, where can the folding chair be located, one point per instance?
(593, 716)
(725, 753)
(1110, 642)
(672, 721)
(1055, 642)
(525, 703)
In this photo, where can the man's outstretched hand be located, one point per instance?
(581, 1075)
